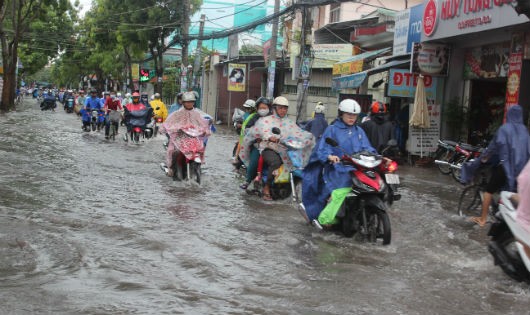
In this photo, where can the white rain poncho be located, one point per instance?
(289, 132)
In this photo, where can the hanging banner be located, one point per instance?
(514, 72)
(348, 82)
(237, 77)
(425, 140)
(135, 69)
(430, 59)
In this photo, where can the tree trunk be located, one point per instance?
(9, 57)
(129, 69)
(160, 69)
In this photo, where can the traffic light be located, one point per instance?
(523, 7)
(144, 75)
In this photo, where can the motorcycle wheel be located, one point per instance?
(113, 131)
(507, 252)
(445, 156)
(136, 137)
(348, 224)
(93, 124)
(382, 227)
(234, 150)
(195, 169)
(457, 172)
(470, 201)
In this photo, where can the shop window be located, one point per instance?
(312, 91)
(334, 12)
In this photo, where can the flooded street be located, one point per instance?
(91, 226)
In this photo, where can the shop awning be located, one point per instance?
(388, 66)
(367, 55)
(352, 81)
(355, 63)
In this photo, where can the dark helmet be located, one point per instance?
(263, 100)
(93, 91)
(377, 108)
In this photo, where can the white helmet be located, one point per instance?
(350, 106)
(128, 95)
(320, 108)
(188, 97)
(157, 95)
(280, 100)
(249, 104)
(118, 94)
(152, 97)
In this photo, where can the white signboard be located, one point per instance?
(425, 141)
(401, 32)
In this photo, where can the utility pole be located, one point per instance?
(272, 53)
(305, 64)
(197, 63)
(185, 29)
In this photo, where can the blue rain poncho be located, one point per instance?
(510, 147)
(317, 125)
(320, 178)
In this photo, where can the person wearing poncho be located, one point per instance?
(273, 153)
(186, 118)
(325, 175)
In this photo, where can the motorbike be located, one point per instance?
(287, 182)
(138, 124)
(374, 189)
(510, 242)
(48, 104)
(69, 104)
(97, 119)
(446, 152)
(188, 157)
(463, 153)
(157, 122)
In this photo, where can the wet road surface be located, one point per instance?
(90, 226)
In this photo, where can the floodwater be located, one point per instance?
(90, 226)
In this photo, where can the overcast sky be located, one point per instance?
(86, 5)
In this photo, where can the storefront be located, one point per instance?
(487, 64)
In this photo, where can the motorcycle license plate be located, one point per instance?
(392, 179)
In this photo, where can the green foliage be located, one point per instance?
(251, 50)
(456, 117)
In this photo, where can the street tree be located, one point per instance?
(16, 19)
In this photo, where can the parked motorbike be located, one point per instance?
(287, 182)
(188, 157)
(364, 210)
(463, 152)
(510, 242)
(446, 152)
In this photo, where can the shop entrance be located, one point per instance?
(486, 108)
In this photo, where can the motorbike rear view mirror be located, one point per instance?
(331, 142)
(276, 131)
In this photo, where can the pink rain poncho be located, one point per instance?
(523, 189)
(187, 130)
(289, 130)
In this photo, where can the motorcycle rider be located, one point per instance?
(144, 99)
(91, 103)
(186, 117)
(80, 102)
(325, 175)
(508, 153)
(112, 116)
(263, 106)
(378, 128)
(318, 124)
(274, 155)
(135, 105)
(50, 99)
(177, 105)
(159, 108)
(249, 108)
(241, 114)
